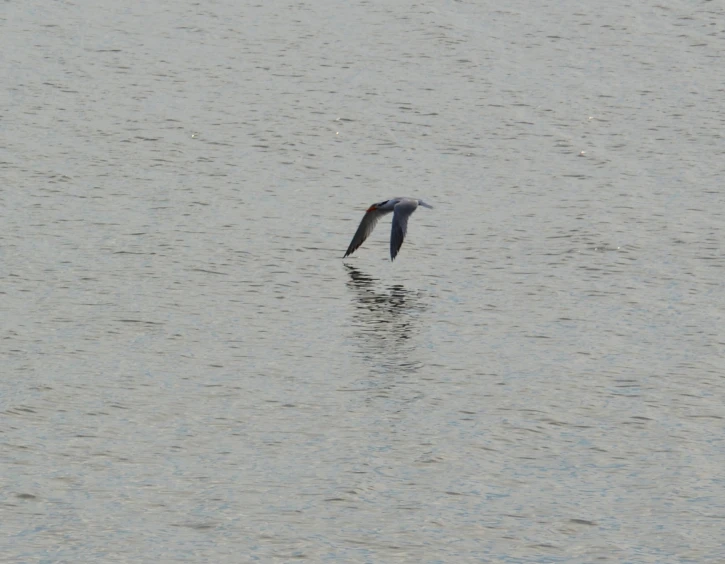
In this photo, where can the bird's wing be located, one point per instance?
(403, 210)
(369, 220)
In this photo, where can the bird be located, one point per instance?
(402, 209)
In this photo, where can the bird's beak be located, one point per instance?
(372, 208)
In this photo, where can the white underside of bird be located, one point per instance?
(402, 209)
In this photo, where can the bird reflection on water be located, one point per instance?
(385, 322)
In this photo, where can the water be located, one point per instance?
(191, 372)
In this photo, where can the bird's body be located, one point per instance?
(402, 209)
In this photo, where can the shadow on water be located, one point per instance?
(385, 323)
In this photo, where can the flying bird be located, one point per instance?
(402, 209)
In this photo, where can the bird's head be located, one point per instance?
(377, 206)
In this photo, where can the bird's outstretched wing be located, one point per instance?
(369, 220)
(403, 210)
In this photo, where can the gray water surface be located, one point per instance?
(192, 373)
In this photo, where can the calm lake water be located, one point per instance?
(191, 372)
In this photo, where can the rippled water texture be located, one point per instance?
(191, 372)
